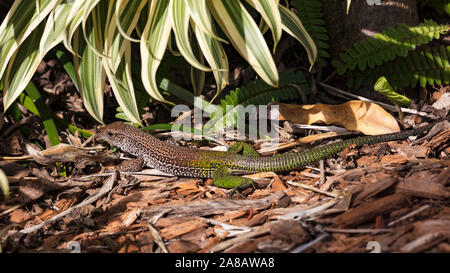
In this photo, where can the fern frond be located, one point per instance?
(260, 93)
(310, 13)
(426, 66)
(386, 46)
(290, 85)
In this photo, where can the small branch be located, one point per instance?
(306, 246)
(387, 106)
(411, 214)
(314, 189)
(359, 230)
(159, 241)
(91, 199)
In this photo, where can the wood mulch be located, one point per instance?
(389, 197)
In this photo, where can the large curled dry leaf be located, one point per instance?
(366, 117)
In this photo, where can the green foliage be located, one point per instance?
(291, 85)
(99, 35)
(37, 102)
(440, 6)
(387, 46)
(383, 87)
(426, 66)
(260, 93)
(310, 12)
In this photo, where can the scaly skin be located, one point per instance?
(192, 162)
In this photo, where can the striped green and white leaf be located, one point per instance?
(197, 76)
(180, 17)
(122, 85)
(31, 52)
(126, 15)
(123, 6)
(21, 20)
(214, 54)
(21, 63)
(294, 27)
(90, 73)
(76, 17)
(201, 16)
(118, 68)
(246, 37)
(271, 15)
(153, 45)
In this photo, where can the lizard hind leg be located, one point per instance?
(243, 147)
(134, 165)
(224, 179)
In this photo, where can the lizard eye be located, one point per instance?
(109, 134)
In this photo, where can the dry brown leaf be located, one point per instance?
(59, 153)
(366, 117)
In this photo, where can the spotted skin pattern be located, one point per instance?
(192, 162)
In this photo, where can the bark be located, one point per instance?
(364, 19)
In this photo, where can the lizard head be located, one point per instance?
(115, 133)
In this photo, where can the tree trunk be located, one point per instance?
(365, 18)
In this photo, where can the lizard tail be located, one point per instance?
(328, 150)
(289, 161)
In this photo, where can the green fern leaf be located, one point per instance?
(258, 93)
(387, 46)
(310, 12)
(426, 65)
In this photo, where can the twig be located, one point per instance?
(155, 218)
(307, 212)
(10, 209)
(322, 172)
(230, 229)
(159, 241)
(152, 172)
(258, 232)
(314, 189)
(304, 247)
(328, 128)
(411, 214)
(387, 106)
(358, 230)
(424, 242)
(91, 199)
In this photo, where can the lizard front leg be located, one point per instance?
(223, 178)
(133, 165)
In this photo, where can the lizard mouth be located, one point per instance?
(100, 135)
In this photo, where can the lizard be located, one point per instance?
(223, 167)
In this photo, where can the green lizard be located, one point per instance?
(223, 166)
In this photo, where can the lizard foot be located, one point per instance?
(224, 179)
